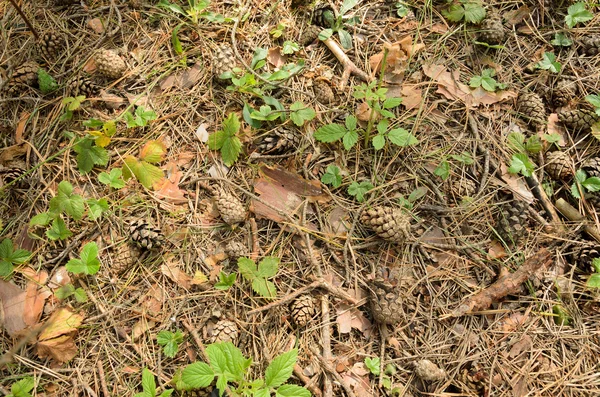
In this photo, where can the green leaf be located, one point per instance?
(577, 14)
(175, 40)
(143, 116)
(551, 138)
(226, 359)
(454, 13)
(300, 113)
(325, 34)
(474, 12)
(88, 263)
(516, 141)
(65, 291)
(148, 382)
(373, 364)
(443, 170)
(391, 103)
(358, 190)
(146, 173)
(290, 47)
(97, 208)
(575, 190)
(292, 391)
(259, 55)
(520, 163)
(401, 137)
(113, 179)
(247, 268)
(561, 316)
(170, 342)
(216, 140)
(349, 139)
(166, 393)
(264, 288)
(23, 387)
(594, 100)
(246, 111)
(264, 392)
(281, 368)
(549, 62)
(80, 295)
(378, 141)
(226, 281)
(330, 133)
(533, 144)
(68, 202)
(58, 230)
(592, 184)
(46, 82)
(41, 219)
(268, 267)
(417, 194)
(332, 176)
(171, 7)
(464, 158)
(198, 375)
(596, 264)
(345, 39)
(351, 122)
(88, 155)
(231, 149)
(561, 40)
(347, 5)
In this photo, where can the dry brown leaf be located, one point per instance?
(96, 25)
(61, 322)
(171, 269)
(554, 127)
(483, 97)
(90, 66)
(202, 132)
(363, 112)
(291, 181)
(153, 300)
(349, 317)
(141, 327)
(184, 79)
(168, 188)
(409, 47)
(395, 65)
(19, 131)
(438, 28)
(411, 96)
(516, 184)
(9, 153)
(337, 224)
(517, 16)
(35, 298)
(275, 57)
(357, 378)
(513, 322)
(12, 299)
(60, 349)
(199, 278)
(522, 345)
(496, 251)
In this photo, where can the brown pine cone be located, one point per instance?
(82, 86)
(303, 310)
(492, 30)
(309, 35)
(110, 64)
(579, 120)
(22, 77)
(12, 175)
(531, 108)
(50, 45)
(591, 167)
(590, 45)
(585, 255)
(389, 223)
(224, 331)
(323, 91)
(562, 94)
(559, 165)
(386, 304)
(230, 207)
(124, 257)
(235, 250)
(512, 222)
(279, 141)
(460, 188)
(224, 60)
(145, 235)
(323, 15)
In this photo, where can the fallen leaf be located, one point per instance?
(9, 153)
(483, 97)
(513, 322)
(438, 28)
(59, 278)
(168, 188)
(12, 299)
(411, 96)
(337, 224)
(141, 327)
(358, 379)
(291, 181)
(90, 66)
(199, 278)
(56, 338)
(275, 57)
(112, 101)
(36, 294)
(139, 100)
(349, 317)
(516, 184)
(21, 127)
(409, 47)
(171, 269)
(202, 132)
(96, 25)
(395, 64)
(522, 345)
(496, 250)
(182, 79)
(60, 349)
(517, 16)
(554, 127)
(363, 112)
(152, 301)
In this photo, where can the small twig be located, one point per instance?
(573, 215)
(22, 14)
(75, 241)
(196, 338)
(255, 243)
(100, 365)
(326, 338)
(347, 64)
(328, 368)
(308, 383)
(540, 194)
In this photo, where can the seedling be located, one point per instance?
(87, 263)
(9, 257)
(277, 32)
(290, 47)
(194, 11)
(468, 10)
(584, 184)
(170, 342)
(22, 388)
(549, 62)
(149, 386)
(561, 40)
(521, 164)
(577, 13)
(226, 281)
(358, 190)
(373, 364)
(230, 367)
(518, 143)
(114, 179)
(140, 118)
(415, 195)
(258, 275)
(227, 141)
(594, 280)
(487, 81)
(71, 104)
(443, 168)
(69, 290)
(332, 176)
(337, 24)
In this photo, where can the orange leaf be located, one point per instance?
(61, 322)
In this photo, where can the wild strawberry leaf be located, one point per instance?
(153, 151)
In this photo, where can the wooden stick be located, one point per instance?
(347, 64)
(540, 194)
(328, 368)
(100, 365)
(573, 215)
(308, 382)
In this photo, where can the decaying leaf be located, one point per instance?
(275, 57)
(357, 378)
(56, 338)
(12, 299)
(168, 188)
(516, 184)
(170, 268)
(36, 294)
(185, 79)
(348, 316)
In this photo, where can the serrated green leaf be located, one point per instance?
(474, 12)
(97, 208)
(46, 82)
(575, 190)
(454, 13)
(561, 40)
(592, 184)
(358, 190)
(516, 141)
(58, 230)
(549, 62)
(300, 113)
(401, 137)
(268, 267)
(147, 174)
(596, 264)
(170, 342)
(290, 47)
(281, 368)
(113, 179)
(216, 140)
(332, 176)
(373, 365)
(533, 144)
(247, 268)
(226, 281)
(41, 219)
(520, 163)
(442, 170)
(378, 141)
(264, 288)
(166, 393)
(292, 391)
(594, 100)
(22, 387)
(88, 262)
(89, 155)
(391, 103)
(198, 375)
(577, 13)
(231, 149)
(349, 139)
(80, 295)
(330, 133)
(148, 382)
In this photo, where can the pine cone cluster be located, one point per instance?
(462, 187)
(280, 141)
(82, 86)
(512, 222)
(559, 165)
(224, 331)
(110, 64)
(124, 257)
(224, 60)
(531, 108)
(235, 250)
(22, 77)
(50, 44)
(389, 223)
(491, 30)
(590, 45)
(323, 91)
(230, 207)
(579, 120)
(145, 235)
(385, 302)
(303, 310)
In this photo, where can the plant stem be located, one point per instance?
(372, 103)
(20, 12)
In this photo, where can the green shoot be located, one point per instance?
(258, 275)
(332, 176)
(549, 62)
(358, 190)
(227, 141)
(149, 386)
(487, 81)
(170, 342)
(88, 263)
(577, 13)
(226, 281)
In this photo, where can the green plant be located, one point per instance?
(290, 47)
(561, 316)
(577, 13)
(22, 388)
(170, 342)
(401, 8)
(470, 10)
(72, 104)
(46, 82)
(336, 25)
(144, 166)
(227, 141)
(277, 32)
(358, 190)
(594, 279)
(89, 154)
(9, 257)
(594, 100)
(230, 367)
(415, 195)
(373, 364)
(561, 40)
(69, 290)
(140, 118)
(87, 263)
(149, 386)
(443, 168)
(332, 176)
(258, 275)
(194, 11)
(549, 62)
(584, 184)
(226, 281)
(487, 81)
(520, 163)
(114, 179)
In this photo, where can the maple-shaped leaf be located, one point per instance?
(153, 152)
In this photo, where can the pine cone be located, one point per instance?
(323, 15)
(460, 188)
(389, 223)
(559, 165)
(584, 257)
(82, 86)
(303, 310)
(590, 45)
(580, 120)
(50, 45)
(591, 167)
(12, 174)
(124, 257)
(235, 250)
(230, 207)
(491, 30)
(562, 94)
(386, 304)
(224, 60)
(280, 141)
(110, 64)
(146, 236)
(22, 77)
(323, 91)
(474, 378)
(531, 107)
(224, 331)
(309, 35)
(512, 222)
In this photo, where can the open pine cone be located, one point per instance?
(224, 60)
(323, 91)
(224, 331)
(389, 223)
(23, 76)
(579, 120)
(492, 30)
(386, 303)
(145, 235)
(559, 165)
(512, 222)
(303, 310)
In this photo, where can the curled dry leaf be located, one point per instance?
(168, 188)
(36, 294)
(275, 57)
(184, 79)
(170, 268)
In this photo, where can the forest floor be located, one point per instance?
(401, 201)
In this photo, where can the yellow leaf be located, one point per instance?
(102, 141)
(61, 322)
(153, 151)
